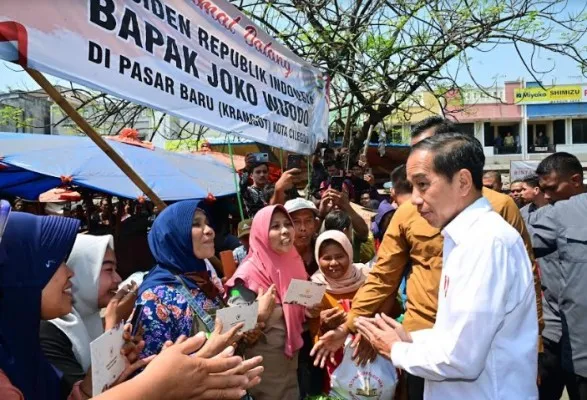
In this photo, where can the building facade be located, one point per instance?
(24, 111)
(34, 112)
(517, 121)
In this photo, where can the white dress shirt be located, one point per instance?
(484, 342)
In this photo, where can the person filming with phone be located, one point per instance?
(260, 193)
(336, 180)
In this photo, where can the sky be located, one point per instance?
(489, 68)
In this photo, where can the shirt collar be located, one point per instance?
(458, 228)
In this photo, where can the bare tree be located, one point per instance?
(381, 53)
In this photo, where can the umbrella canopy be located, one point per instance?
(49, 159)
(28, 185)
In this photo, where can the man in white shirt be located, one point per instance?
(484, 342)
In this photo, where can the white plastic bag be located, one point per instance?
(375, 381)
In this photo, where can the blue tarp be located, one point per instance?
(37, 163)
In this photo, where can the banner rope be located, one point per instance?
(308, 194)
(235, 176)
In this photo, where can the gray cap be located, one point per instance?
(300, 204)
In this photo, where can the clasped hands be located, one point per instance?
(382, 332)
(374, 336)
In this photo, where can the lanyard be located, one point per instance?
(197, 308)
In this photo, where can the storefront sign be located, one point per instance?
(521, 169)
(552, 94)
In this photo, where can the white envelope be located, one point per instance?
(304, 293)
(230, 316)
(107, 362)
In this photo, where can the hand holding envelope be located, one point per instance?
(305, 293)
(108, 363)
(239, 314)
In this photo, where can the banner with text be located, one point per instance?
(200, 60)
(551, 94)
(521, 169)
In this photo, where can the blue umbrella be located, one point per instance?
(39, 161)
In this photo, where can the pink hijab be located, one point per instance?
(355, 275)
(264, 267)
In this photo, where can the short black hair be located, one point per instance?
(257, 165)
(453, 152)
(337, 220)
(333, 163)
(562, 163)
(399, 180)
(531, 180)
(496, 175)
(441, 125)
(515, 181)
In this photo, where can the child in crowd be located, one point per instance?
(244, 231)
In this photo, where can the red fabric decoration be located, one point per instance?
(131, 136)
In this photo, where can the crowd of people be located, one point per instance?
(470, 292)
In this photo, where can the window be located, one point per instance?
(468, 129)
(395, 136)
(489, 135)
(477, 96)
(504, 138)
(580, 131)
(558, 127)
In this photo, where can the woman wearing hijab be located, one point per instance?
(273, 261)
(178, 296)
(66, 341)
(34, 284)
(342, 278)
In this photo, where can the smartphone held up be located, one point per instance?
(261, 157)
(294, 161)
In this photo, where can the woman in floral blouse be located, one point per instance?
(179, 296)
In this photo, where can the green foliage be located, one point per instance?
(13, 116)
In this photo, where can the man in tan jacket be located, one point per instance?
(411, 242)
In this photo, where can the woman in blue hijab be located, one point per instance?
(34, 285)
(179, 295)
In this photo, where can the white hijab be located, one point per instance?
(83, 324)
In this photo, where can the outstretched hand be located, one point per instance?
(379, 332)
(173, 373)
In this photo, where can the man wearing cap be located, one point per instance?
(244, 230)
(304, 215)
(305, 218)
(262, 192)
